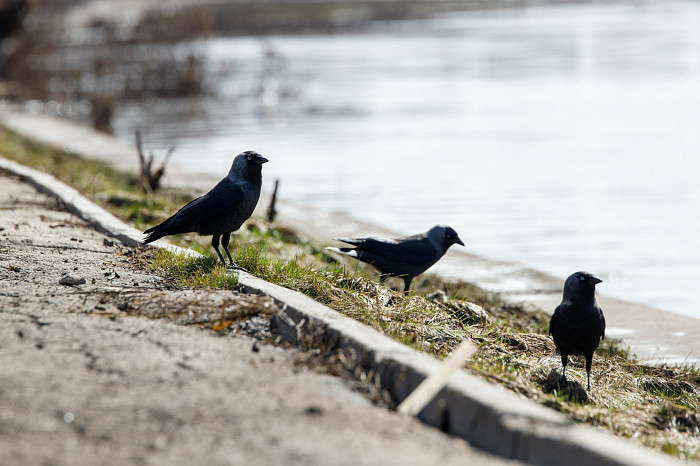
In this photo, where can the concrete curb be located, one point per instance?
(487, 416)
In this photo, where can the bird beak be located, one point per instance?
(261, 160)
(595, 280)
(458, 241)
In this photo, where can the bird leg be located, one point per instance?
(215, 243)
(564, 360)
(225, 238)
(589, 363)
(407, 283)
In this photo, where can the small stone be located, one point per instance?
(469, 314)
(70, 280)
(439, 297)
(108, 242)
(313, 410)
(111, 275)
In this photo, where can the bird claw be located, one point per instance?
(563, 382)
(233, 268)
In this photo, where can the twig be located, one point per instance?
(150, 181)
(272, 211)
(426, 391)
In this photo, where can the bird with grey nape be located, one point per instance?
(578, 324)
(405, 257)
(223, 209)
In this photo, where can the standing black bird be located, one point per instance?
(223, 209)
(402, 257)
(578, 324)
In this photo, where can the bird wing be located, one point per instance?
(413, 251)
(221, 202)
(553, 322)
(602, 321)
(172, 225)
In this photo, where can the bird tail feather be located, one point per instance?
(158, 231)
(152, 236)
(352, 252)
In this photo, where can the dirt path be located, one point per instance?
(83, 382)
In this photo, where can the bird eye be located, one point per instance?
(582, 278)
(249, 158)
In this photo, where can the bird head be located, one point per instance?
(444, 236)
(580, 284)
(246, 162)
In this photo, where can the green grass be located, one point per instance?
(193, 272)
(656, 406)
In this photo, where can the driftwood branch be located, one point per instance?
(150, 180)
(272, 211)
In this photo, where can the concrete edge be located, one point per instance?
(487, 416)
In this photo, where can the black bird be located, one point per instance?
(223, 209)
(402, 257)
(578, 324)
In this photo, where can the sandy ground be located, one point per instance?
(84, 381)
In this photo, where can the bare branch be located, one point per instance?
(272, 211)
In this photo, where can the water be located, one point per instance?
(563, 137)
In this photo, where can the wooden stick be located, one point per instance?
(426, 391)
(272, 211)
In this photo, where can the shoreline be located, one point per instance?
(218, 17)
(653, 335)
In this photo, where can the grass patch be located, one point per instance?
(193, 272)
(655, 405)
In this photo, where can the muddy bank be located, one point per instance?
(186, 18)
(86, 60)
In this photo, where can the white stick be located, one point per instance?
(426, 391)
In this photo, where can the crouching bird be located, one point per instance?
(578, 324)
(223, 209)
(405, 257)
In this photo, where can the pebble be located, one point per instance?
(70, 280)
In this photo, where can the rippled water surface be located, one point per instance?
(562, 137)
